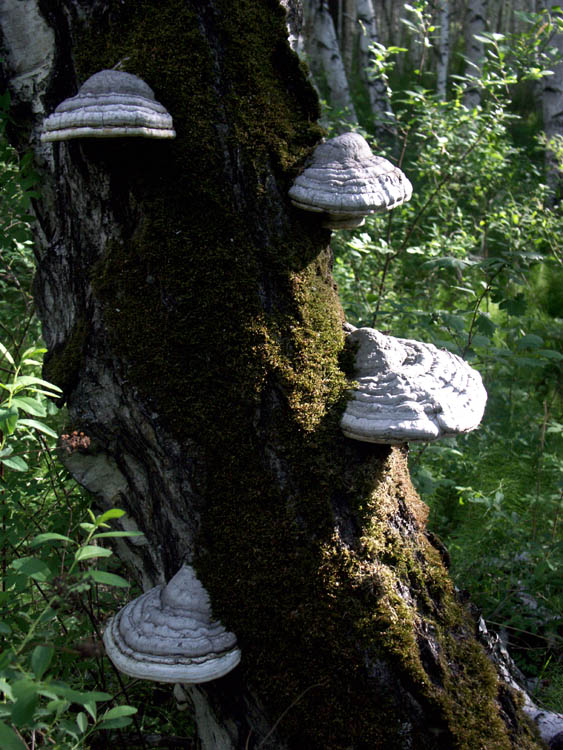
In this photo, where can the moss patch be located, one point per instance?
(62, 366)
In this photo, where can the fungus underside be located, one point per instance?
(253, 378)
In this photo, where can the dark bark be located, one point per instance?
(192, 321)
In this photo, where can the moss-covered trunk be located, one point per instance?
(192, 320)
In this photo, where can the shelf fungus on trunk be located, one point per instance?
(408, 391)
(346, 182)
(110, 104)
(167, 634)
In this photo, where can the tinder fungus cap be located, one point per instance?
(168, 635)
(110, 104)
(408, 391)
(346, 182)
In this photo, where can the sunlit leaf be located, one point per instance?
(112, 513)
(15, 462)
(51, 536)
(109, 579)
(34, 424)
(90, 551)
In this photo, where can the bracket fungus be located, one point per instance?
(167, 635)
(346, 183)
(410, 391)
(110, 104)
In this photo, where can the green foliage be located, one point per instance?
(473, 264)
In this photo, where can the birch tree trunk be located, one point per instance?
(349, 34)
(443, 49)
(552, 106)
(191, 319)
(475, 25)
(377, 87)
(321, 47)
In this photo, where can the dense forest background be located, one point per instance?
(460, 94)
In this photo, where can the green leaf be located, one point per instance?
(33, 352)
(551, 354)
(485, 325)
(9, 739)
(69, 727)
(109, 579)
(50, 536)
(448, 262)
(57, 705)
(25, 381)
(29, 405)
(91, 708)
(124, 721)
(112, 513)
(32, 567)
(40, 660)
(530, 341)
(481, 341)
(5, 629)
(8, 419)
(89, 551)
(24, 708)
(6, 688)
(115, 534)
(82, 721)
(6, 354)
(6, 658)
(515, 306)
(39, 426)
(75, 696)
(119, 711)
(16, 463)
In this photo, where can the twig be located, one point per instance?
(288, 709)
(485, 291)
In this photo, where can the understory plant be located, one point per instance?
(473, 264)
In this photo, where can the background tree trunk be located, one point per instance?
(349, 35)
(192, 321)
(443, 49)
(322, 50)
(552, 106)
(475, 25)
(377, 88)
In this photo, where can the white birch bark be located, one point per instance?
(347, 38)
(377, 88)
(552, 105)
(474, 49)
(443, 49)
(320, 45)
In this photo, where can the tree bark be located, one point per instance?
(377, 87)
(552, 105)
(320, 45)
(475, 25)
(443, 49)
(349, 35)
(192, 322)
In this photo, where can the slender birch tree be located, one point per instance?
(443, 57)
(321, 47)
(475, 25)
(377, 87)
(552, 106)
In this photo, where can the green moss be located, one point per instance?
(63, 364)
(222, 305)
